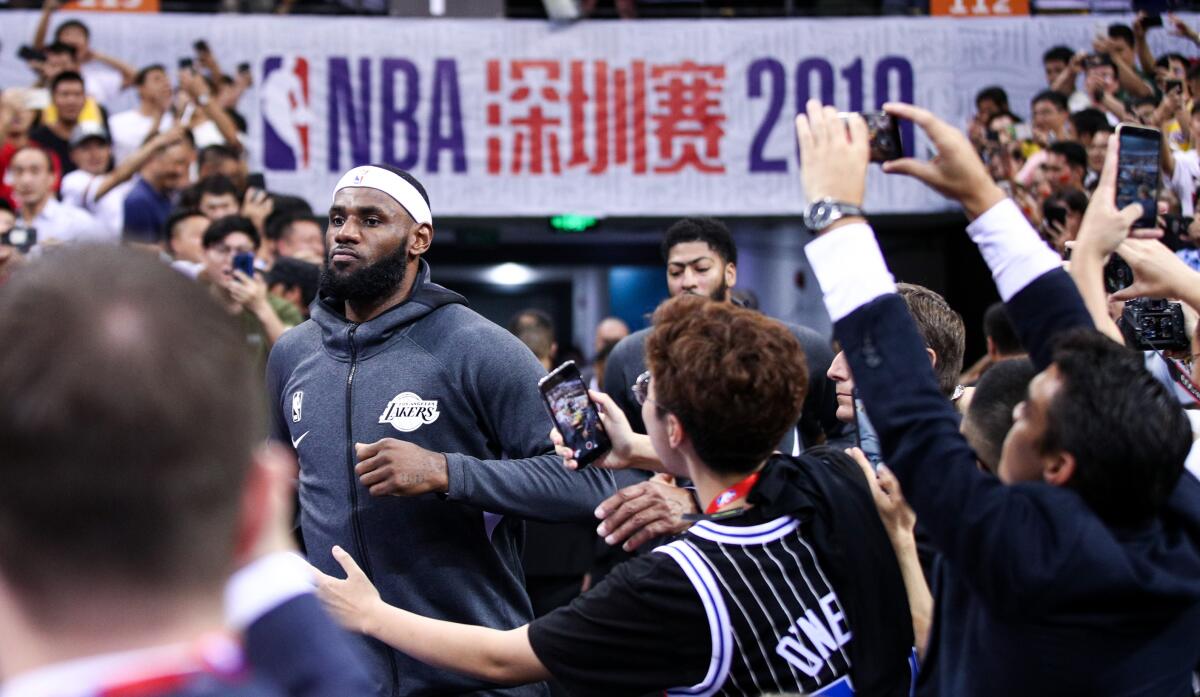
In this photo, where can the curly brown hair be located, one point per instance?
(734, 378)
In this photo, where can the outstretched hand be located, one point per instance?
(956, 172)
(349, 600)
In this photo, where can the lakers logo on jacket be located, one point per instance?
(407, 412)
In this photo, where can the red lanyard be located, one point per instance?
(1179, 373)
(733, 493)
(215, 655)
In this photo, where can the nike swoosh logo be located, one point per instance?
(296, 441)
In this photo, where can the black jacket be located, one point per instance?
(1035, 595)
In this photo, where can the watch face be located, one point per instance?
(819, 215)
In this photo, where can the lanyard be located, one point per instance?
(733, 493)
(1179, 373)
(215, 655)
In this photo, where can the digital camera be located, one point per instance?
(1151, 324)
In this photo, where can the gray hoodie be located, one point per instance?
(432, 372)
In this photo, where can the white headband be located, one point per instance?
(391, 184)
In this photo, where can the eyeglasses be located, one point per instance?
(641, 388)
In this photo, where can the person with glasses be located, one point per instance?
(264, 316)
(786, 583)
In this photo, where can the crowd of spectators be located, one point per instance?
(776, 514)
(169, 174)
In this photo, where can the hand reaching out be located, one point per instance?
(350, 600)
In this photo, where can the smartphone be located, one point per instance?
(865, 438)
(1175, 232)
(256, 180)
(244, 262)
(185, 63)
(1173, 86)
(1021, 131)
(21, 237)
(201, 46)
(1117, 274)
(27, 53)
(574, 414)
(1138, 151)
(243, 67)
(1152, 21)
(1055, 214)
(883, 133)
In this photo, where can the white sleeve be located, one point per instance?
(1012, 249)
(850, 268)
(263, 585)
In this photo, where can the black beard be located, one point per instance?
(719, 293)
(369, 283)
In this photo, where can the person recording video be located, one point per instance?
(790, 543)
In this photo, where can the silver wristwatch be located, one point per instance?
(825, 212)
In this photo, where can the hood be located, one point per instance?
(372, 335)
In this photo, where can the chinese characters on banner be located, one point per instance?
(547, 116)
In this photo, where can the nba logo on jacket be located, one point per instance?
(287, 117)
(407, 412)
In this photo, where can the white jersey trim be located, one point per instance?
(720, 629)
(745, 535)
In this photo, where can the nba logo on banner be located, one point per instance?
(287, 117)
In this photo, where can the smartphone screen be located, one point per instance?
(574, 414)
(1137, 170)
(244, 262)
(883, 134)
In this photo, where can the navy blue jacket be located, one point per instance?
(295, 650)
(1034, 594)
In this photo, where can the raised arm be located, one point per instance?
(130, 166)
(1141, 46)
(43, 25)
(1102, 230)
(982, 526)
(128, 72)
(205, 102)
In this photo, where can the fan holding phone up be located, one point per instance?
(575, 415)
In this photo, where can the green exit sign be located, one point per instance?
(572, 223)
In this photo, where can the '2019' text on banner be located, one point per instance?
(516, 118)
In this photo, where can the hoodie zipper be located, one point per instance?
(360, 540)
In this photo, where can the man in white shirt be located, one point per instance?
(129, 129)
(104, 75)
(49, 221)
(99, 189)
(84, 187)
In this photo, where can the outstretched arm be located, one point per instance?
(1102, 230)
(982, 526)
(43, 25)
(495, 655)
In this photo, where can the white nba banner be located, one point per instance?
(524, 118)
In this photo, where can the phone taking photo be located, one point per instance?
(244, 262)
(574, 413)
(883, 134)
(1138, 150)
